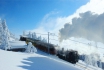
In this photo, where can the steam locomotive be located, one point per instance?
(69, 55)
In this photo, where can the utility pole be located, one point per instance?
(48, 42)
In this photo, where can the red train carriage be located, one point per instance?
(48, 48)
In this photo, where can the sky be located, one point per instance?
(21, 15)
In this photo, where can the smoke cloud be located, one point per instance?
(88, 25)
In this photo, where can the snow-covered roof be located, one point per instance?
(17, 44)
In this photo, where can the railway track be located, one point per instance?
(86, 67)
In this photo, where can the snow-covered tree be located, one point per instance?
(5, 28)
(1, 33)
(91, 59)
(39, 38)
(4, 35)
(34, 36)
(5, 43)
(30, 35)
(24, 33)
(100, 64)
(12, 36)
(88, 60)
(30, 48)
(44, 40)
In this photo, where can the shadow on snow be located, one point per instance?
(44, 63)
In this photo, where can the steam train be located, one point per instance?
(43, 46)
(70, 56)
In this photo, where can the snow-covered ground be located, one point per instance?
(31, 61)
(40, 61)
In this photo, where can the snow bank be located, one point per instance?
(24, 61)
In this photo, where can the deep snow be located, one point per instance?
(31, 61)
(39, 61)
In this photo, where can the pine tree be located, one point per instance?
(44, 40)
(30, 48)
(39, 38)
(34, 36)
(24, 33)
(1, 34)
(100, 65)
(5, 36)
(30, 35)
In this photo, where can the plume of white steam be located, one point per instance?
(88, 25)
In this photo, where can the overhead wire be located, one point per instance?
(68, 39)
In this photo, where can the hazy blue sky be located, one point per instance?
(26, 14)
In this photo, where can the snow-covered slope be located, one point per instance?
(32, 61)
(36, 61)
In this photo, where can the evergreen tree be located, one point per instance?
(5, 36)
(1, 34)
(24, 33)
(100, 65)
(39, 38)
(30, 35)
(30, 48)
(44, 40)
(91, 59)
(34, 36)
